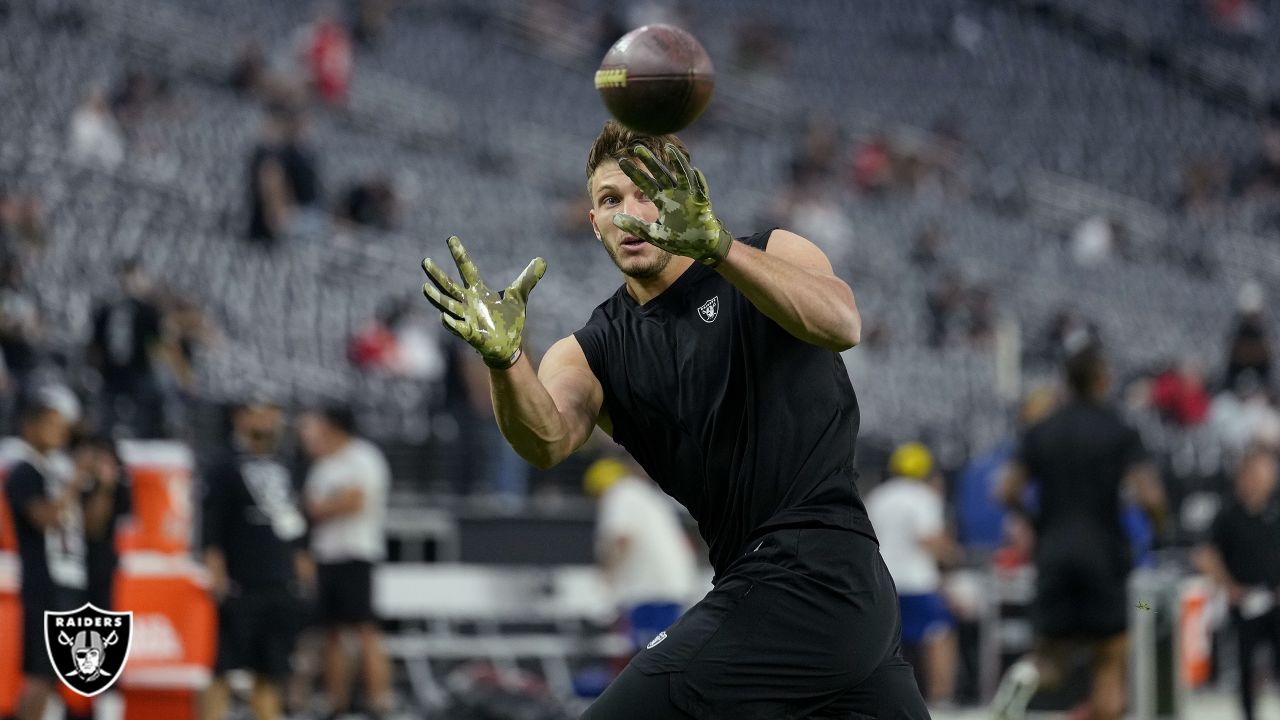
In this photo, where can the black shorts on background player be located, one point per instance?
(258, 632)
(345, 592)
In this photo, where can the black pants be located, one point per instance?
(1250, 634)
(803, 625)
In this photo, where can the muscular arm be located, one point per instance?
(792, 283)
(547, 414)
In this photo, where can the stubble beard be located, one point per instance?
(641, 268)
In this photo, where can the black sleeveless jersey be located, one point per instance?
(747, 426)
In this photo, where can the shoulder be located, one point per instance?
(23, 475)
(790, 246)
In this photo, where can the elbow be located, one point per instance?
(543, 459)
(848, 335)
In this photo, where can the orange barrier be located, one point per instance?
(1193, 632)
(10, 653)
(174, 619)
(10, 602)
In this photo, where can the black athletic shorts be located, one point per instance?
(345, 592)
(803, 625)
(257, 632)
(1080, 593)
(35, 657)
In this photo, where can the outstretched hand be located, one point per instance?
(491, 322)
(686, 225)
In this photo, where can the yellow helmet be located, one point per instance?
(602, 474)
(911, 460)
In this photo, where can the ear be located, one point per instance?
(591, 216)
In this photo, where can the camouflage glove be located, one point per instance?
(491, 322)
(686, 226)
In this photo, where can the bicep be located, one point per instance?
(574, 389)
(798, 251)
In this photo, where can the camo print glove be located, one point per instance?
(491, 322)
(686, 225)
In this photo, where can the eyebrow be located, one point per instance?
(606, 186)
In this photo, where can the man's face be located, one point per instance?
(612, 192)
(50, 430)
(258, 426)
(1257, 478)
(314, 434)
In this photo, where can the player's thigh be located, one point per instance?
(634, 695)
(889, 693)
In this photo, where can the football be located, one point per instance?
(656, 79)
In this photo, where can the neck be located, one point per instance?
(645, 289)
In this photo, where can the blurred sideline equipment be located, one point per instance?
(656, 79)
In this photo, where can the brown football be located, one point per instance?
(656, 79)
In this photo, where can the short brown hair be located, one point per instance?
(615, 142)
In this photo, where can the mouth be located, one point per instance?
(632, 243)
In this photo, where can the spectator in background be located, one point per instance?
(398, 341)
(943, 302)
(981, 520)
(641, 548)
(872, 168)
(1083, 457)
(1249, 347)
(1243, 557)
(326, 49)
(1180, 395)
(249, 73)
(346, 502)
(1260, 177)
(126, 347)
(21, 222)
(107, 499)
(259, 569)
(926, 247)
(1243, 415)
(21, 327)
(284, 183)
(368, 20)
(908, 515)
(138, 90)
(94, 135)
(45, 503)
(371, 203)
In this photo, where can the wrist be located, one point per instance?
(503, 364)
(721, 250)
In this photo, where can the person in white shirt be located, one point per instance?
(907, 513)
(642, 549)
(345, 498)
(94, 136)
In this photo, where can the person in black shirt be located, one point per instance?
(254, 549)
(1243, 556)
(1082, 457)
(45, 503)
(283, 179)
(716, 366)
(107, 498)
(125, 345)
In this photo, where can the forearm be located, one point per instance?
(1209, 562)
(818, 308)
(527, 415)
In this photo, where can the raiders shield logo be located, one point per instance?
(709, 309)
(88, 647)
